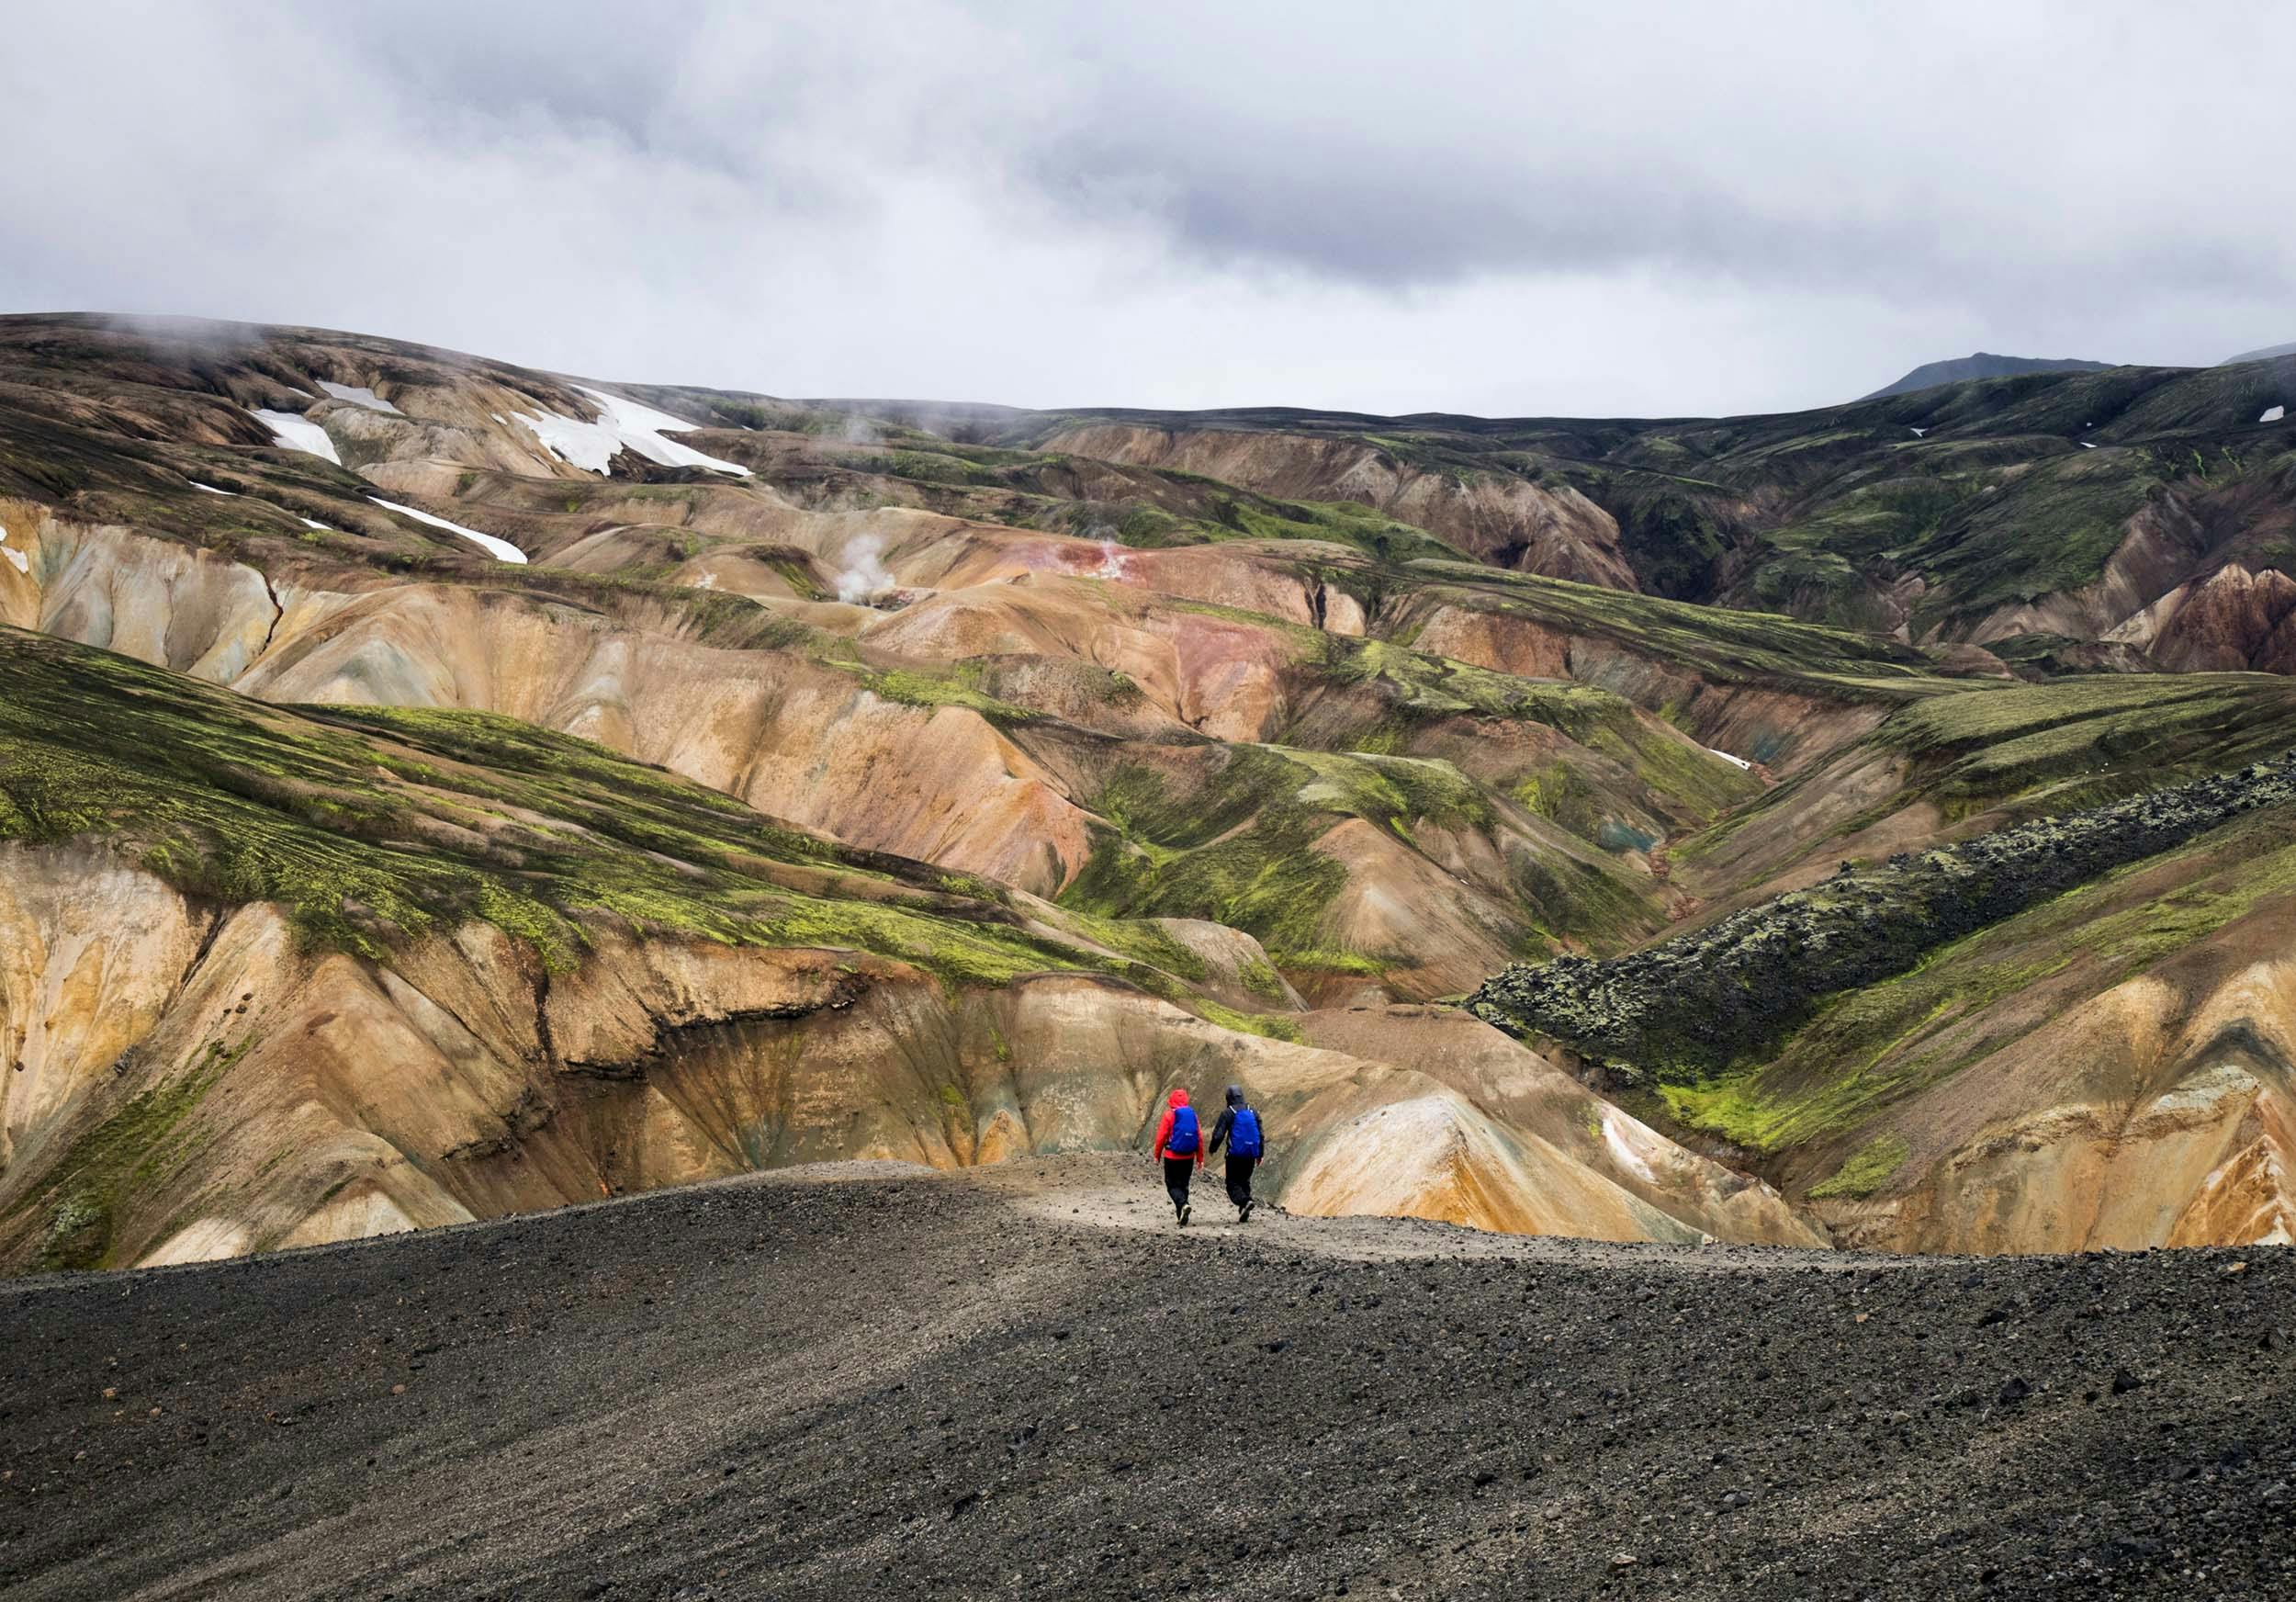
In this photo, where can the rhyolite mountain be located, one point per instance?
(432, 789)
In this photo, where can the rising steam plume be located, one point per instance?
(864, 575)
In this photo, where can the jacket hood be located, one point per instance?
(1179, 1099)
(1235, 1095)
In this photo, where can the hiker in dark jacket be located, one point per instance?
(1239, 1131)
(1180, 1146)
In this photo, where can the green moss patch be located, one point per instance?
(1868, 1171)
(126, 1150)
(371, 825)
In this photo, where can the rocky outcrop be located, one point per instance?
(178, 606)
(2234, 619)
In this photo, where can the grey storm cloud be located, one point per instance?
(1563, 207)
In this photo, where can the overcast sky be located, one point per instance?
(1503, 209)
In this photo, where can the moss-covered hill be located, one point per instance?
(372, 825)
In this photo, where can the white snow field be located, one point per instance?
(500, 548)
(358, 395)
(592, 445)
(1735, 761)
(298, 432)
(17, 559)
(211, 489)
(2273, 415)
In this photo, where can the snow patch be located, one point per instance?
(621, 423)
(2086, 446)
(502, 548)
(298, 432)
(2273, 415)
(1918, 432)
(359, 395)
(211, 489)
(309, 523)
(1734, 761)
(17, 559)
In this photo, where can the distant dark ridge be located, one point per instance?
(1694, 1004)
(2266, 355)
(1984, 364)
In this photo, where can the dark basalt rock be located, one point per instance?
(1695, 1003)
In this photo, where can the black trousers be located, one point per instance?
(1240, 1179)
(1177, 1172)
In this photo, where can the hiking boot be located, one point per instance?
(1185, 1210)
(1243, 1213)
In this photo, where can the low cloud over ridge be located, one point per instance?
(1587, 210)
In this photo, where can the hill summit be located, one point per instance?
(1983, 364)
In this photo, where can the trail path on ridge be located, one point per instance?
(876, 1380)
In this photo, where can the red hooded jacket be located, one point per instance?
(1164, 1129)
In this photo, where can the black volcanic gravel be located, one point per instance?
(910, 1386)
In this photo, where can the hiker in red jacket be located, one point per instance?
(1180, 1146)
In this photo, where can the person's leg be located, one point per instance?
(1176, 1173)
(1240, 1185)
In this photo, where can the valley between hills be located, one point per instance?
(433, 790)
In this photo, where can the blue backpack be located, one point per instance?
(1184, 1133)
(1243, 1135)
